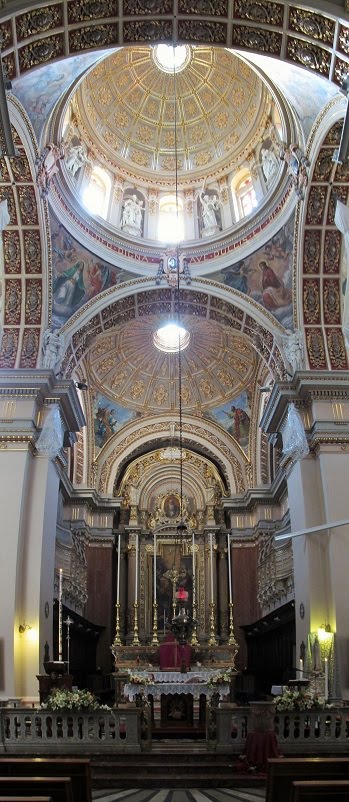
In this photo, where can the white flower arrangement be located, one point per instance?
(63, 699)
(298, 700)
(219, 679)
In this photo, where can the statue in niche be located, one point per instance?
(270, 164)
(210, 205)
(132, 214)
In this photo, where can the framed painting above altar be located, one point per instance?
(173, 568)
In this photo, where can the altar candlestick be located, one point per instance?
(118, 574)
(136, 571)
(154, 568)
(211, 566)
(301, 669)
(229, 571)
(326, 678)
(193, 566)
(60, 623)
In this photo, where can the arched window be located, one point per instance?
(244, 195)
(171, 221)
(96, 194)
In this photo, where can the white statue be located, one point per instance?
(341, 220)
(270, 163)
(293, 347)
(52, 347)
(4, 215)
(210, 205)
(76, 157)
(132, 213)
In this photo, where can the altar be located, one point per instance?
(178, 699)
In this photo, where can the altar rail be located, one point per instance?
(26, 731)
(305, 733)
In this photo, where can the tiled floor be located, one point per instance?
(180, 795)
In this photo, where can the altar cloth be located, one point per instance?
(157, 683)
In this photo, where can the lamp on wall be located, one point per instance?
(24, 628)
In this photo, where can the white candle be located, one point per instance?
(300, 668)
(193, 566)
(136, 571)
(154, 568)
(60, 623)
(118, 574)
(326, 678)
(229, 571)
(211, 566)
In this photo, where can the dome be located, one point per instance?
(134, 113)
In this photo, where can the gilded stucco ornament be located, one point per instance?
(313, 25)
(266, 13)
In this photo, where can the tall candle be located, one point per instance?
(60, 623)
(154, 568)
(300, 668)
(211, 566)
(136, 571)
(193, 566)
(229, 571)
(326, 678)
(118, 574)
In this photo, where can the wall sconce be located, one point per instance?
(23, 628)
(325, 633)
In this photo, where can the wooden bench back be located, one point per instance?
(282, 772)
(78, 769)
(323, 790)
(25, 798)
(58, 788)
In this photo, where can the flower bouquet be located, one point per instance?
(219, 679)
(62, 699)
(138, 679)
(298, 700)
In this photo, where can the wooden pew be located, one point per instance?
(325, 790)
(282, 772)
(25, 798)
(78, 769)
(58, 788)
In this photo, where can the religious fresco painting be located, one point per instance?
(235, 418)
(108, 418)
(266, 275)
(78, 275)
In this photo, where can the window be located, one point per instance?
(171, 222)
(97, 193)
(244, 196)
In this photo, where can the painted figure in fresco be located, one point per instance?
(69, 288)
(240, 425)
(105, 425)
(210, 205)
(236, 276)
(275, 294)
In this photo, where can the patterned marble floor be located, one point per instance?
(180, 795)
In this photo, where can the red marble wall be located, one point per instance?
(245, 586)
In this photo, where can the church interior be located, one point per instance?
(174, 428)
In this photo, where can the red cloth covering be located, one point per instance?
(260, 746)
(172, 655)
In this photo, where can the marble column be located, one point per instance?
(29, 494)
(317, 491)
